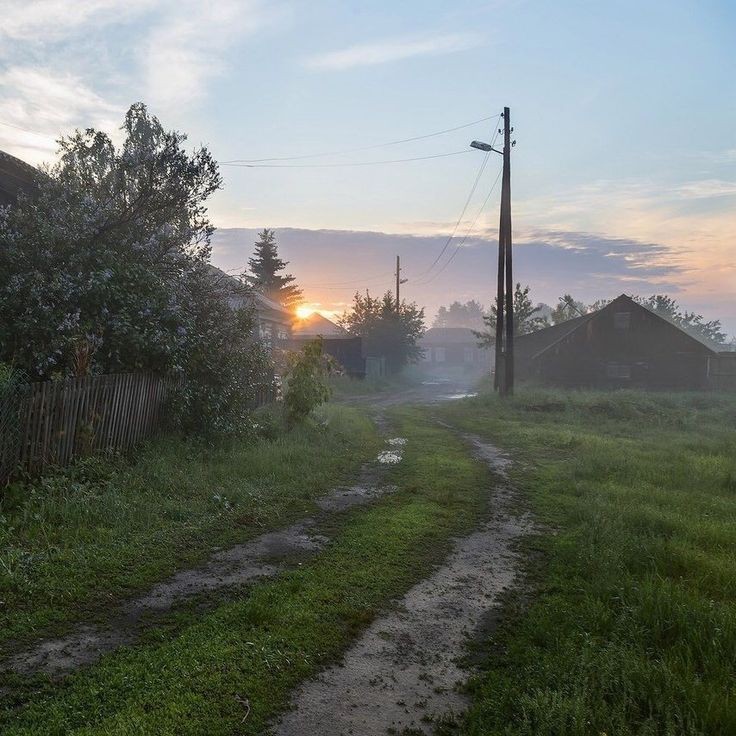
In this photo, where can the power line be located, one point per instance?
(346, 164)
(361, 148)
(465, 237)
(467, 202)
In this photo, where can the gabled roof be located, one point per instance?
(240, 292)
(317, 324)
(448, 335)
(15, 176)
(551, 336)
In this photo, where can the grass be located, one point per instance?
(243, 658)
(632, 629)
(73, 543)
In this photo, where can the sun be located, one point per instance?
(303, 312)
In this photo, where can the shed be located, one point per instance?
(453, 346)
(337, 342)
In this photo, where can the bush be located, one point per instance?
(307, 385)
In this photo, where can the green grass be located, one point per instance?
(73, 543)
(632, 628)
(257, 647)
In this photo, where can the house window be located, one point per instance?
(439, 355)
(618, 370)
(621, 320)
(468, 355)
(427, 355)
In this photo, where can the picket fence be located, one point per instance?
(53, 422)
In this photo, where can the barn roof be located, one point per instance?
(544, 339)
(316, 324)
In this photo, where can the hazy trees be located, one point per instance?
(527, 318)
(266, 267)
(385, 331)
(469, 314)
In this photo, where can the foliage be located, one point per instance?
(667, 307)
(266, 265)
(386, 331)
(526, 318)
(568, 308)
(307, 385)
(95, 268)
(469, 315)
(105, 269)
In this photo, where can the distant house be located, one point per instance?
(15, 176)
(337, 342)
(273, 319)
(624, 344)
(452, 347)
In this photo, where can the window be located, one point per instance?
(439, 355)
(618, 370)
(468, 355)
(621, 320)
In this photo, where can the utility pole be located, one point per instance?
(504, 366)
(399, 281)
(507, 244)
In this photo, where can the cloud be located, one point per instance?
(188, 47)
(50, 20)
(392, 49)
(38, 104)
(706, 188)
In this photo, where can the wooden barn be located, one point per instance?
(445, 347)
(622, 345)
(346, 349)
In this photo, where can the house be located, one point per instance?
(15, 176)
(273, 319)
(624, 344)
(337, 342)
(453, 347)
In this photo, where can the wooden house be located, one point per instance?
(453, 347)
(624, 344)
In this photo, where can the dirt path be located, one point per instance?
(403, 672)
(263, 556)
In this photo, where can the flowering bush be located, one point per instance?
(306, 386)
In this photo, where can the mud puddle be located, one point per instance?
(403, 672)
(263, 556)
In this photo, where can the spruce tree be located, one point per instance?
(266, 266)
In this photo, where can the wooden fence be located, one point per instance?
(53, 422)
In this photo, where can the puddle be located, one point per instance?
(455, 397)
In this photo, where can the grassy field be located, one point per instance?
(73, 543)
(229, 670)
(631, 624)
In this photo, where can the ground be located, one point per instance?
(410, 561)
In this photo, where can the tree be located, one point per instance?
(266, 265)
(386, 332)
(469, 314)
(526, 318)
(306, 380)
(105, 268)
(567, 308)
(667, 307)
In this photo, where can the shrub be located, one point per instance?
(307, 385)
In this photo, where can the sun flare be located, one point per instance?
(303, 312)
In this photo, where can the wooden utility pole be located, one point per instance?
(499, 370)
(507, 244)
(398, 283)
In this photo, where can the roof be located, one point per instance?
(15, 176)
(240, 292)
(448, 336)
(316, 324)
(542, 340)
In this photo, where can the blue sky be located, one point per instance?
(624, 113)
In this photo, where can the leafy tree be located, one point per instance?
(567, 308)
(469, 315)
(668, 308)
(104, 269)
(385, 330)
(266, 266)
(306, 376)
(526, 318)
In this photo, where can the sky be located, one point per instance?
(624, 172)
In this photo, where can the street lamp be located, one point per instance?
(484, 147)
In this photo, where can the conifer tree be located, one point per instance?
(265, 266)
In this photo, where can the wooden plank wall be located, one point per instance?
(60, 420)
